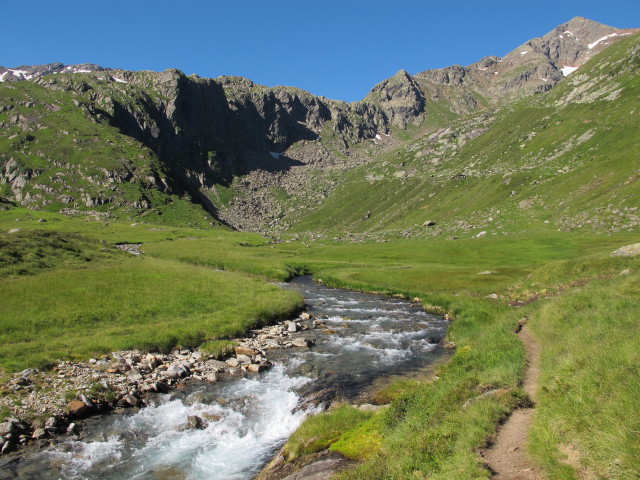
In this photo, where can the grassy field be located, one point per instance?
(72, 295)
(588, 419)
(139, 303)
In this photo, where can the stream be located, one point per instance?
(367, 338)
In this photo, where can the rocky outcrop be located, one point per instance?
(400, 97)
(627, 251)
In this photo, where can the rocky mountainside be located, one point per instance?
(26, 72)
(561, 160)
(534, 67)
(87, 139)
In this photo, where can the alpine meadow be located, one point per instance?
(148, 219)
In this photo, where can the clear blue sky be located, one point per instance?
(338, 49)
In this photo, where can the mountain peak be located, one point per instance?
(402, 73)
(573, 43)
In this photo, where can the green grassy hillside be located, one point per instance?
(560, 160)
(57, 155)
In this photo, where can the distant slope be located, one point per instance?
(566, 157)
(534, 67)
(30, 72)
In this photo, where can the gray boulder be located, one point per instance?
(627, 251)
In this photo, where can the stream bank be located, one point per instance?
(232, 427)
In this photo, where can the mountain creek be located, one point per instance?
(231, 428)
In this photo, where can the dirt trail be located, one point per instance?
(507, 457)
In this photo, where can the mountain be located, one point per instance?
(560, 160)
(26, 72)
(534, 67)
(87, 140)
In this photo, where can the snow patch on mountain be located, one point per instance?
(567, 70)
(606, 37)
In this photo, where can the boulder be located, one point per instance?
(27, 372)
(240, 350)
(77, 409)
(177, 371)
(257, 367)
(135, 375)
(39, 433)
(627, 251)
(305, 316)
(87, 401)
(129, 400)
(52, 422)
(7, 428)
(152, 361)
(303, 342)
(291, 326)
(194, 422)
(162, 387)
(244, 359)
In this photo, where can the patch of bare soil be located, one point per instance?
(507, 458)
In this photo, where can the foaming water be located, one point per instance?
(248, 419)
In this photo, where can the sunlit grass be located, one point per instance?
(587, 423)
(141, 303)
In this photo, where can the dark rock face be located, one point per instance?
(400, 97)
(209, 130)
